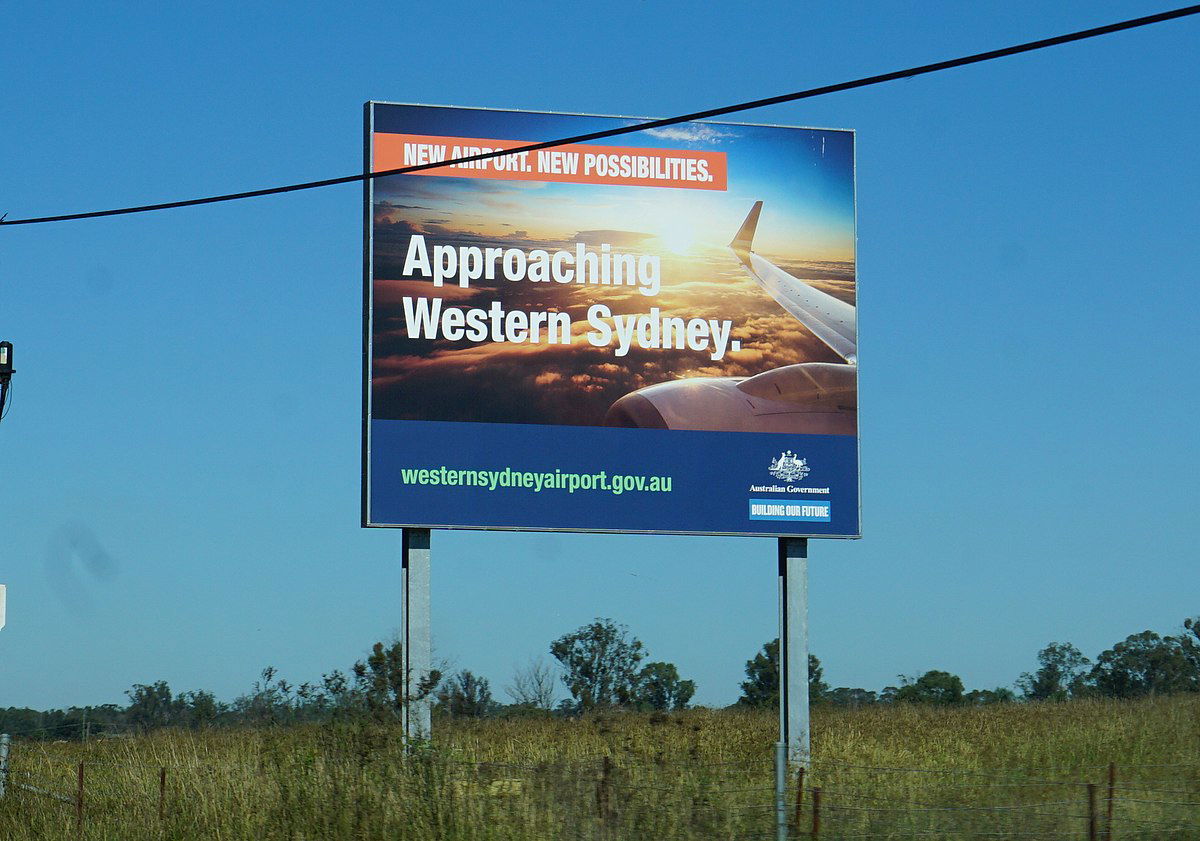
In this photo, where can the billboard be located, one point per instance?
(651, 333)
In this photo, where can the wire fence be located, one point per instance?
(607, 797)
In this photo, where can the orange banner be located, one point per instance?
(576, 163)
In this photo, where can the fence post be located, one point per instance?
(816, 822)
(79, 802)
(1108, 807)
(1091, 811)
(4, 740)
(602, 809)
(799, 796)
(781, 831)
(162, 792)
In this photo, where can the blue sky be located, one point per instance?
(180, 464)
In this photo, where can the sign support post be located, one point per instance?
(793, 648)
(417, 651)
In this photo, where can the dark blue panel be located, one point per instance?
(713, 476)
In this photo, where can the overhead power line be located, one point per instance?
(866, 81)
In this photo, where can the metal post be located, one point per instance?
(4, 742)
(781, 827)
(418, 649)
(793, 648)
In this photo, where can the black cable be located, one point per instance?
(990, 55)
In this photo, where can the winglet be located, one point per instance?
(745, 234)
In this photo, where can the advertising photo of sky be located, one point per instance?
(804, 177)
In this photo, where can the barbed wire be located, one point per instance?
(1000, 778)
(946, 807)
(1000, 773)
(1153, 821)
(1159, 802)
(77, 725)
(834, 807)
(977, 785)
(1137, 787)
(959, 833)
(1022, 770)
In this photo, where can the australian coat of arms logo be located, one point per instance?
(789, 468)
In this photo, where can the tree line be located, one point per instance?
(1141, 665)
(601, 665)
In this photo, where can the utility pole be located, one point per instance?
(6, 372)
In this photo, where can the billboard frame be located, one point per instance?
(368, 335)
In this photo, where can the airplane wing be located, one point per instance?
(831, 320)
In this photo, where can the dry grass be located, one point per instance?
(885, 772)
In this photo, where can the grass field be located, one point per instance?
(894, 772)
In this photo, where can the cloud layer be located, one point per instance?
(575, 384)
